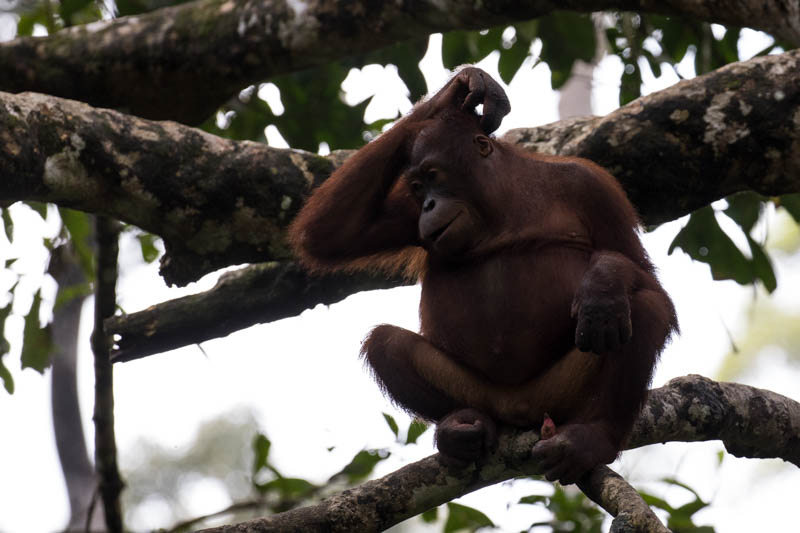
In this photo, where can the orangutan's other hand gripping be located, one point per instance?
(539, 305)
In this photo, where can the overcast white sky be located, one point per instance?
(303, 378)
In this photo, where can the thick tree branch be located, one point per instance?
(750, 422)
(696, 141)
(158, 65)
(214, 202)
(218, 202)
(256, 294)
(688, 408)
(653, 145)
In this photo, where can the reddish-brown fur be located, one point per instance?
(537, 296)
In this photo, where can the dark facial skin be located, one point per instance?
(445, 222)
(539, 307)
(450, 225)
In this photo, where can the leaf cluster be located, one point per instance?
(705, 241)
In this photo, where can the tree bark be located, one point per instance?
(158, 65)
(110, 483)
(73, 455)
(214, 202)
(610, 491)
(750, 422)
(717, 133)
(257, 294)
(688, 408)
(217, 202)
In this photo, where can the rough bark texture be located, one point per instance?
(158, 65)
(688, 408)
(218, 202)
(255, 294)
(696, 141)
(631, 513)
(750, 422)
(215, 202)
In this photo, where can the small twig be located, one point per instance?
(90, 510)
(236, 507)
(110, 483)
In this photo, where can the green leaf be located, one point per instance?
(37, 342)
(415, 429)
(68, 8)
(79, 227)
(456, 49)
(726, 50)
(674, 482)
(313, 97)
(430, 515)
(655, 501)
(676, 35)
(392, 424)
(654, 62)
(362, 465)
(460, 47)
(745, 208)
(566, 37)
(533, 499)
(527, 30)
(39, 207)
(512, 58)
(5, 346)
(461, 517)
(406, 57)
(310, 97)
(147, 244)
(288, 488)
(574, 512)
(68, 294)
(130, 7)
(704, 241)
(5, 375)
(4, 313)
(691, 508)
(630, 84)
(28, 20)
(680, 518)
(791, 202)
(261, 446)
(8, 225)
(762, 266)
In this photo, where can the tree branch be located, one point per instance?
(696, 141)
(750, 422)
(217, 202)
(688, 408)
(257, 294)
(158, 64)
(105, 302)
(610, 491)
(214, 202)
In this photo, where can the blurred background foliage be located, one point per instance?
(309, 111)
